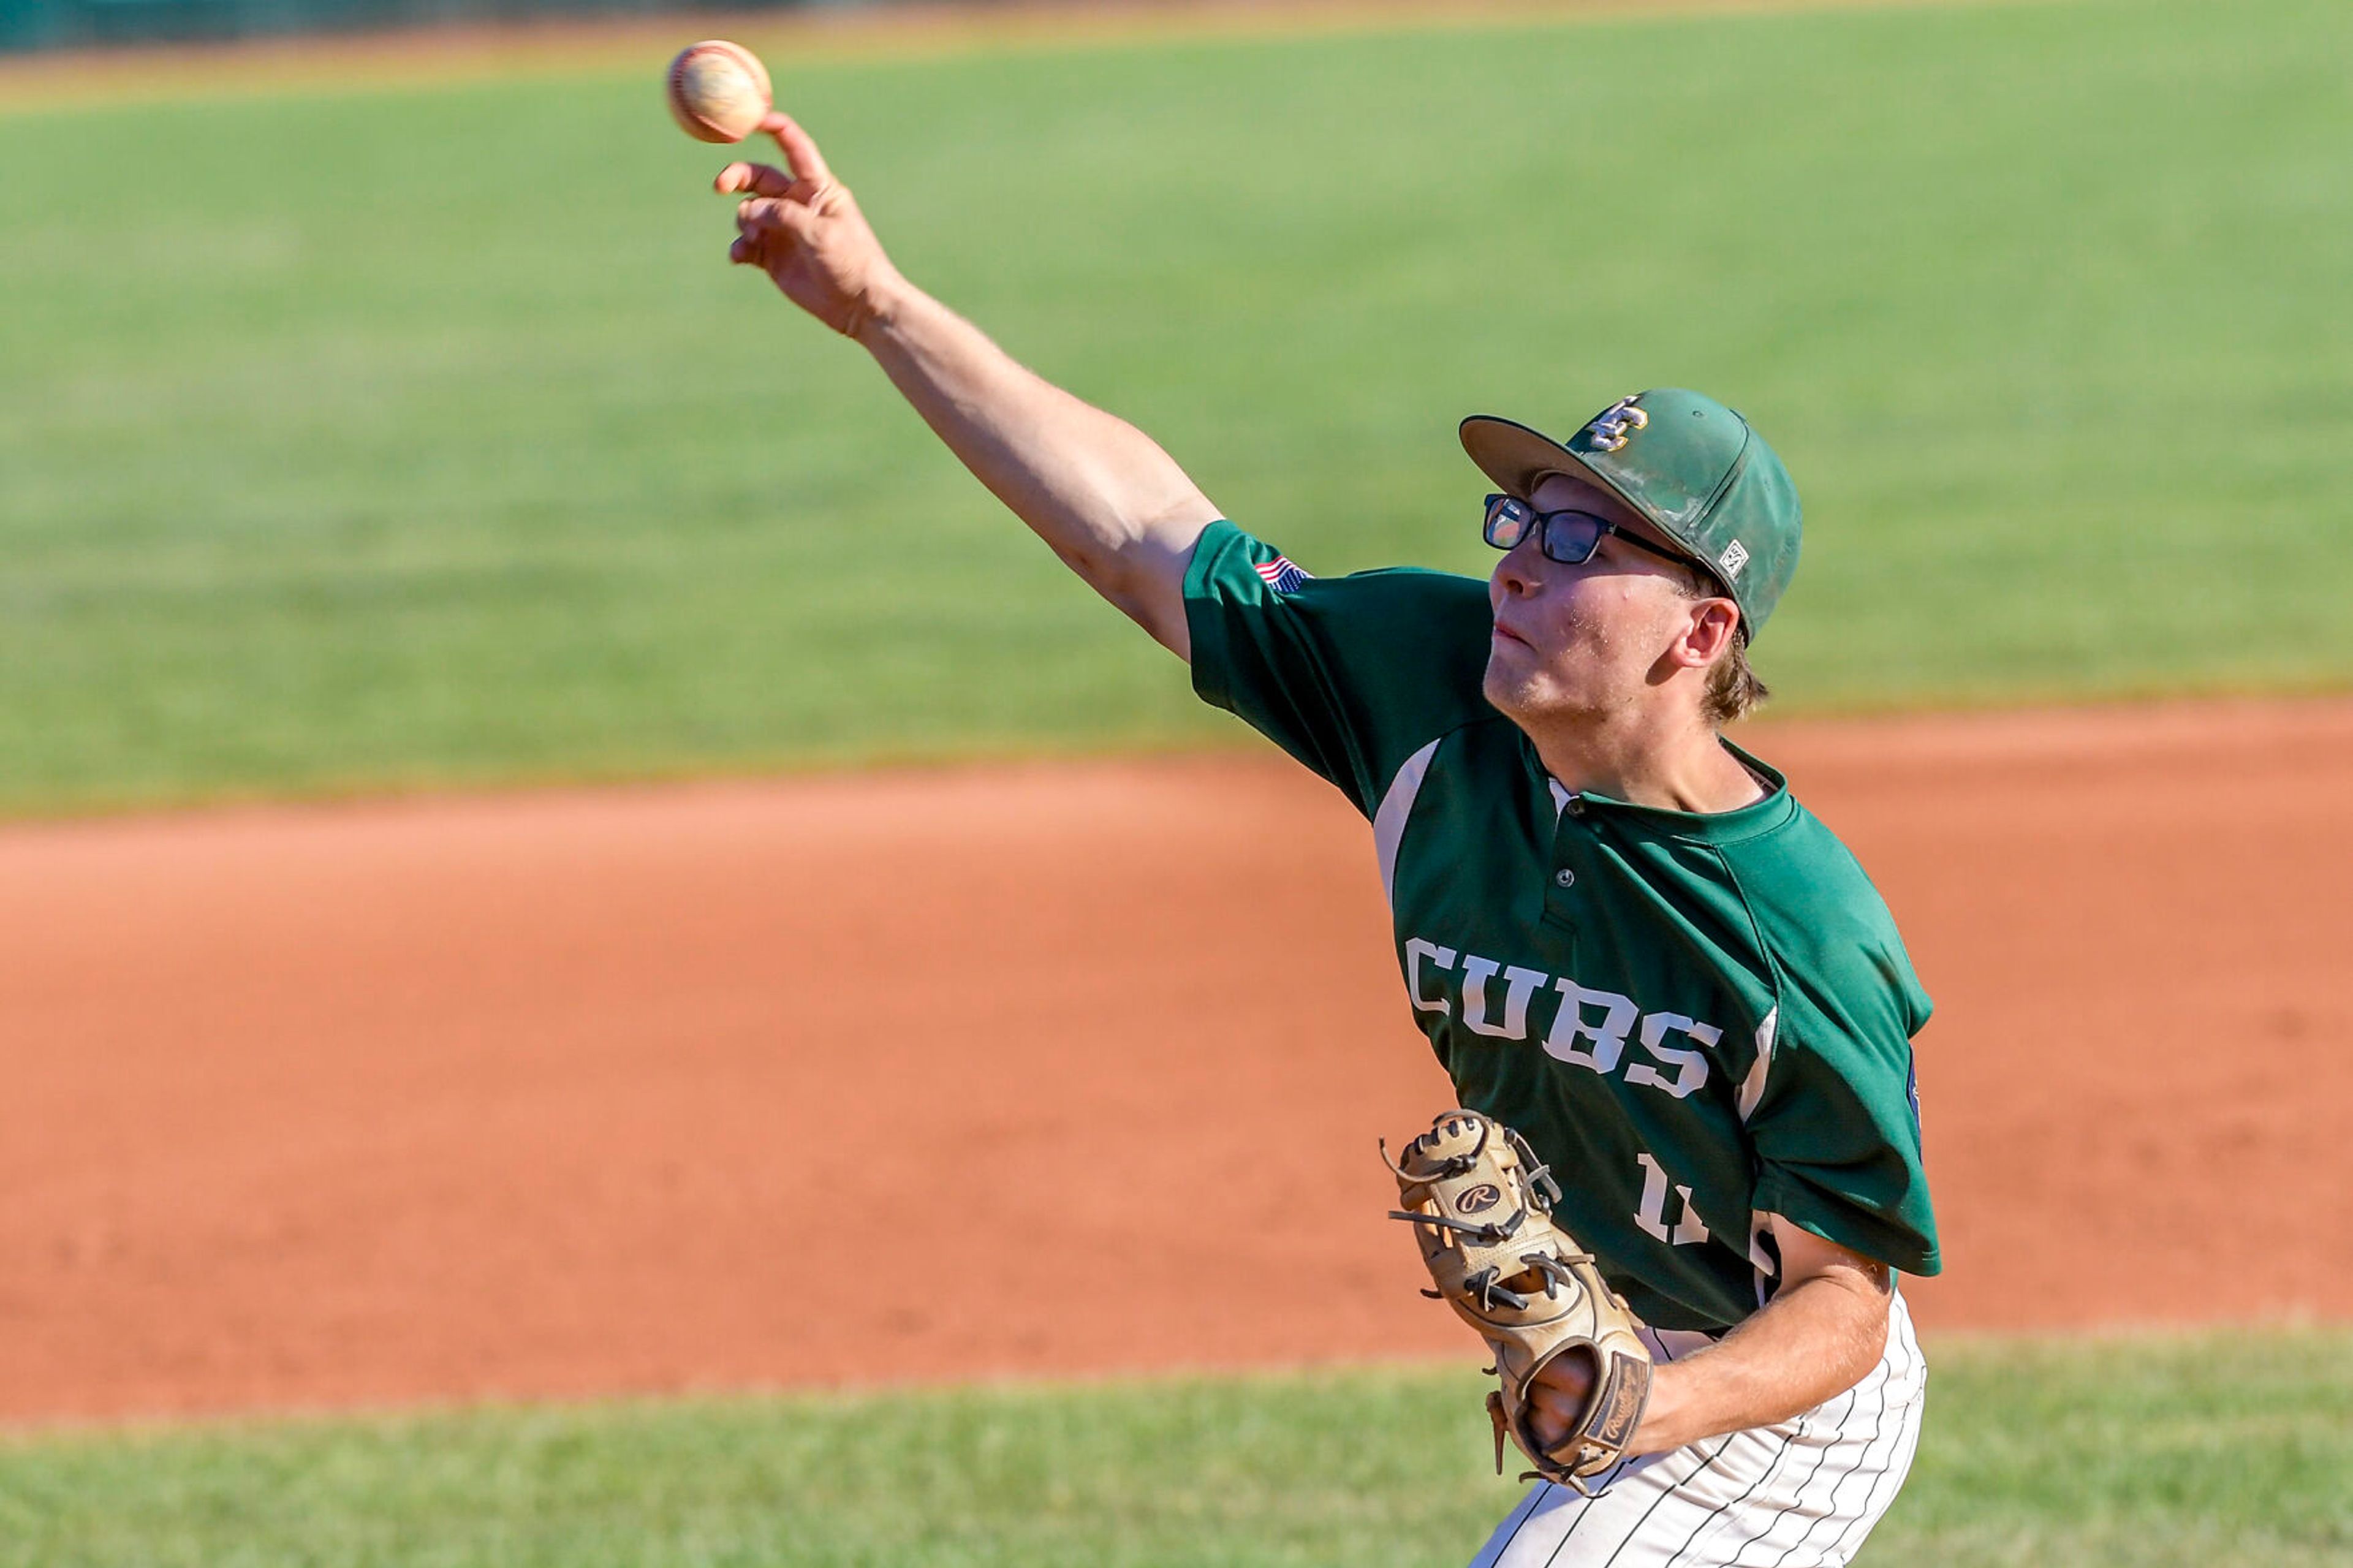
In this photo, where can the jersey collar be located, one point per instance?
(1705, 826)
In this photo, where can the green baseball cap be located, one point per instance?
(1688, 466)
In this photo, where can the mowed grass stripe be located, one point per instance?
(2217, 1449)
(421, 437)
(130, 76)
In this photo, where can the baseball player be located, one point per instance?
(1619, 933)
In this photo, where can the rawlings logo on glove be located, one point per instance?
(1481, 1207)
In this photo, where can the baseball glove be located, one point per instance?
(1481, 1207)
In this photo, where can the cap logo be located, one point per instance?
(1734, 556)
(1609, 427)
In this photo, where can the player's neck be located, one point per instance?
(1675, 766)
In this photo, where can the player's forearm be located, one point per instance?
(1816, 1340)
(1100, 492)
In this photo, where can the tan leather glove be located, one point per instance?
(1481, 1207)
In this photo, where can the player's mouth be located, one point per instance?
(1505, 634)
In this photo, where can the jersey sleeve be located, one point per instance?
(1350, 675)
(1837, 1129)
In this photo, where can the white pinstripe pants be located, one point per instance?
(1800, 1495)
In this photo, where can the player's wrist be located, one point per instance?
(1666, 1423)
(881, 306)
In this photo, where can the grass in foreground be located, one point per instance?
(421, 436)
(2216, 1451)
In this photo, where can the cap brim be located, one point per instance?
(1515, 458)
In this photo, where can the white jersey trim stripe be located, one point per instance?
(1752, 1087)
(1760, 1262)
(1389, 822)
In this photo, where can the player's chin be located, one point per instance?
(1509, 684)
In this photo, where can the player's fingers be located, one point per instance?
(766, 215)
(1550, 1416)
(801, 153)
(757, 178)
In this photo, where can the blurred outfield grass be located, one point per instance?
(414, 436)
(2215, 1451)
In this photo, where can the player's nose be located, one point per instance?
(1520, 572)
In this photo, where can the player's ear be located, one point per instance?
(1715, 622)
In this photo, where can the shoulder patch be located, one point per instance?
(1282, 574)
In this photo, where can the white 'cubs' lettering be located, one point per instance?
(1652, 1215)
(1691, 1068)
(1589, 1027)
(1607, 1037)
(1416, 950)
(1519, 985)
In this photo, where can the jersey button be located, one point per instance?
(1564, 878)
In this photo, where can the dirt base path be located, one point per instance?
(786, 1083)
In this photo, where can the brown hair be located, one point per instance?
(1733, 689)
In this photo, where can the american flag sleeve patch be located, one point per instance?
(1282, 575)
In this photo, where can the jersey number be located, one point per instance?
(1652, 1215)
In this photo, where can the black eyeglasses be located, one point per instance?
(1568, 537)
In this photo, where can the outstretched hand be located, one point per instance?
(802, 228)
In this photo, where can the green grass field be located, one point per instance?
(2207, 1452)
(420, 436)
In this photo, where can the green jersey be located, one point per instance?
(1698, 1020)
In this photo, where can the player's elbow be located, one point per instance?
(1865, 1298)
(1849, 1307)
(1869, 1337)
(1160, 611)
(1145, 577)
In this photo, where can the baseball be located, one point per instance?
(718, 92)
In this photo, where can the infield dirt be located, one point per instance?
(1055, 1070)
